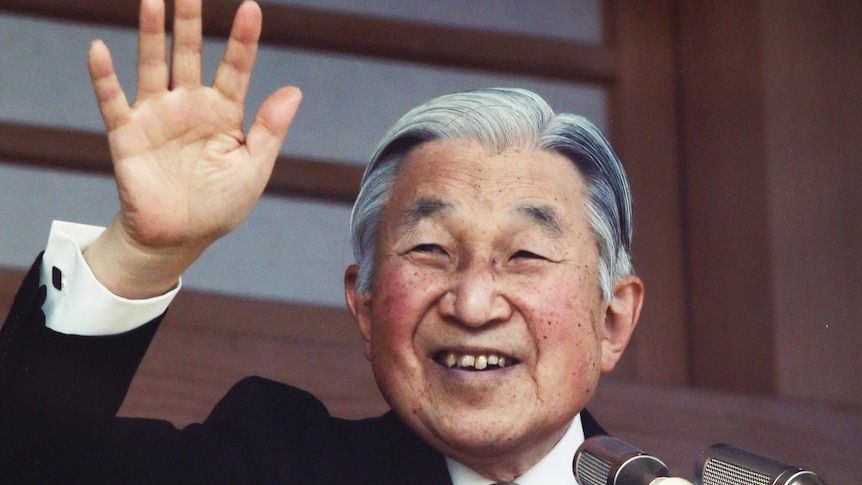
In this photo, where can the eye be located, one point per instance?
(429, 255)
(429, 249)
(523, 254)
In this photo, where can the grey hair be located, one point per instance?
(500, 119)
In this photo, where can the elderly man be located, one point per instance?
(492, 286)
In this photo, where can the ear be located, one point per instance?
(621, 317)
(359, 306)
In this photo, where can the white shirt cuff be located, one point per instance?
(76, 303)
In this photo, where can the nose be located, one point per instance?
(475, 299)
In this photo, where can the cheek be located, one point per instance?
(562, 312)
(398, 309)
(564, 329)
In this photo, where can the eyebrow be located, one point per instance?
(544, 216)
(425, 208)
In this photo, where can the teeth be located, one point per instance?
(467, 361)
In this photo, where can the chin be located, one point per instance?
(478, 435)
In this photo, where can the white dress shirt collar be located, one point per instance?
(554, 469)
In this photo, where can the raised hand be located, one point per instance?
(186, 172)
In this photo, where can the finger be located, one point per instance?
(186, 52)
(234, 71)
(270, 127)
(112, 101)
(152, 63)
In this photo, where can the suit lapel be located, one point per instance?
(591, 426)
(414, 461)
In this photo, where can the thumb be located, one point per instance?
(270, 125)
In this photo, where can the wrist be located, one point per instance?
(132, 271)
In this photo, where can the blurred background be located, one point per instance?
(740, 125)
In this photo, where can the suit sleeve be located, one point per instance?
(58, 392)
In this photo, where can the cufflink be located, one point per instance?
(57, 278)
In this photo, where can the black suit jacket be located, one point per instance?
(59, 395)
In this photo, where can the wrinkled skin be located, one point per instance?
(484, 253)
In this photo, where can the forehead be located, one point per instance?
(465, 174)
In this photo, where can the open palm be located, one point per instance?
(186, 172)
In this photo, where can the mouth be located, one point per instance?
(474, 361)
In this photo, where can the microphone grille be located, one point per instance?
(723, 464)
(592, 470)
(718, 472)
(604, 460)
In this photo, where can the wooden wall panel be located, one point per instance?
(677, 424)
(813, 141)
(644, 132)
(725, 199)
(10, 280)
(770, 119)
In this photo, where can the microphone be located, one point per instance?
(604, 460)
(722, 464)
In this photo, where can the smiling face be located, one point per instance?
(485, 324)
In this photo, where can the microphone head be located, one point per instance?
(722, 464)
(604, 460)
